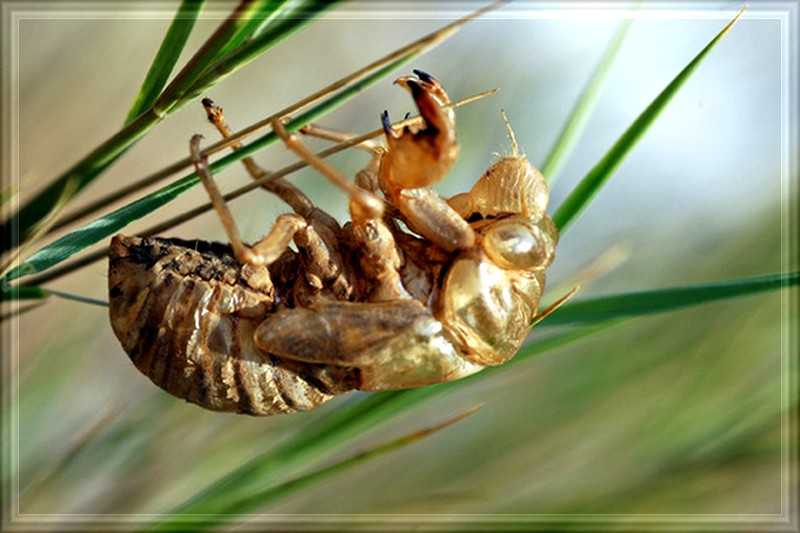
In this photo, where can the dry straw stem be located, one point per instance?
(97, 255)
(218, 61)
(362, 76)
(228, 142)
(95, 163)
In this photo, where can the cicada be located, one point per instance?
(415, 289)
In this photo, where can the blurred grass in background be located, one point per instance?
(677, 415)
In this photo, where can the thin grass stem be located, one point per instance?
(97, 255)
(167, 56)
(590, 185)
(580, 114)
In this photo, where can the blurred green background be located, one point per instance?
(675, 419)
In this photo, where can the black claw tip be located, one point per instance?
(416, 89)
(387, 124)
(208, 102)
(424, 76)
(408, 116)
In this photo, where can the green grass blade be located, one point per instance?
(355, 418)
(74, 242)
(326, 435)
(580, 114)
(37, 293)
(78, 176)
(23, 293)
(75, 179)
(590, 185)
(104, 227)
(275, 493)
(241, 56)
(261, 20)
(410, 50)
(166, 57)
(662, 300)
(97, 230)
(263, 497)
(93, 165)
(208, 53)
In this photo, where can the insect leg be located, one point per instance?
(419, 156)
(268, 249)
(290, 194)
(330, 134)
(376, 249)
(429, 214)
(363, 203)
(318, 241)
(366, 178)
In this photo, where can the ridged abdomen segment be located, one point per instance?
(186, 318)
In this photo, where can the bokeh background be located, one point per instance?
(669, 419)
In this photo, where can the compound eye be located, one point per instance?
(516, 244)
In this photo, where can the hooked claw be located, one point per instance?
(422, 155)
(424, 76)
(386, 121)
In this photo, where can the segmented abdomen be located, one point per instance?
(185, 313)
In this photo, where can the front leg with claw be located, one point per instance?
(420, 156)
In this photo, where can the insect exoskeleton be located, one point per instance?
(414, 290)
(186, 313)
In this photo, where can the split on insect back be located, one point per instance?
(414, 290)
